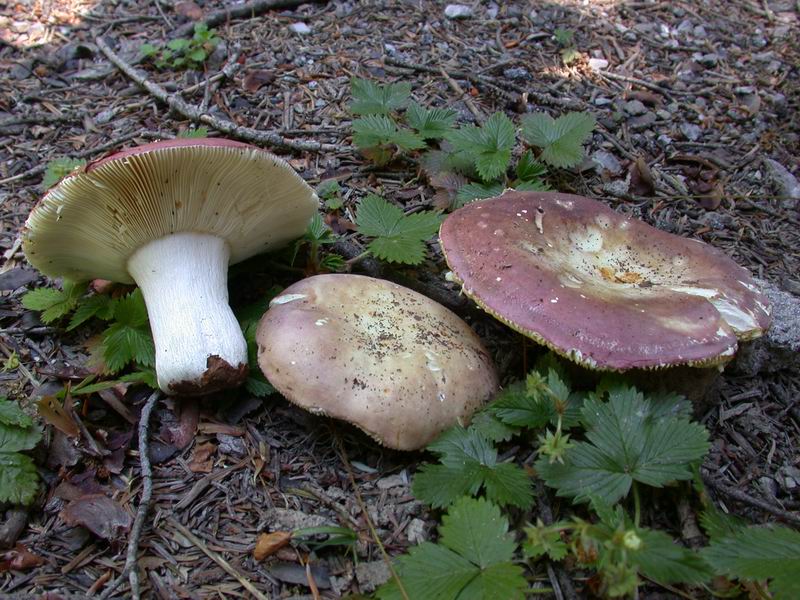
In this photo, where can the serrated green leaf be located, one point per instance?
(530, 169)
(198, 55)
(58, 169)
(11, 414)
(54, 303)
(370, 98)
(329, 189)
(258, 386)
(760, 553)
(178, 44)
(492, 428)
(123, 344)
(625, 444)
(19, 480)
(561, 140)
(131, 309)
(145, 376)
(531, 186)
(545, 540)
(520, 406)
(376, 131)
(148, 50)
(14, 438)
(398, 237)
(198, 132)
(430, 123)
(99, 305)
(477, 191)
(468, 462)
(718, 525)
(472, 561)
(488, 146)
(660, 558)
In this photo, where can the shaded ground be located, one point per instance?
(696, 99)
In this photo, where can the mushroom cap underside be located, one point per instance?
(91, 222)
(390, 361)
(607, 291)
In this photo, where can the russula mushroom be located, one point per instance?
(171, 216)
(389, 360)
(607, 291)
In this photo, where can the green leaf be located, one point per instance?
(198, 132)
(145, 376)
(660, 558)
(129, 339)
(257, 385)
(529, 169)
(148, 50)
(58, 169)
(14, 438)
(489, 146)
(759, 553)
(376, 131)
(198, 55)
(472, 561)
(545, 540)
(329, 189)
(19, 479)
(564, 37)
(718, 525)
(53, 303)
(430, 123)
(99, 305)
(371, 98)
(523, 405)
(625, 444)
(477, 191)
(561, 140)
(178, 44)
(398, 237)
(468, 463)
(492, 428)
(11, 414)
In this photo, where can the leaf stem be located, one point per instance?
(637, 505)
(351, 261)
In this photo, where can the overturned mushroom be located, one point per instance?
(392, 362)
(607, 291)
(171, 216)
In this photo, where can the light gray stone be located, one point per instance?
(598, 64)
(635, 107)
(607, 162)
(785, 183)
(691, 131)
(285, 519)
(457, 11)
(779, 347)
(415, 532)
(300, 28)
(371, 575)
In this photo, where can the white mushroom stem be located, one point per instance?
(184, 281)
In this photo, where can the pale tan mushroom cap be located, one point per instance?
(89, 224)
(389, 360)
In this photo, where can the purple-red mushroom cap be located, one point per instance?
(607, 291)
(171, 216)
(388, 360)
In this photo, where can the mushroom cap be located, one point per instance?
(89, 224)
(607, 291)
(389, 360)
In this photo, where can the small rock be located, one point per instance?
(415, 532)
(598, 64)
(229, 444)
(517, 74)
(300, 28)
(371, 575)
(617, 188)
(664, 140)
(635, 107)
(691, 131)
(601, 101)
(785, 183)
(664, 114)
(707, 60)
(607, 162)
(685, 27)
(641, 122)
(789, 478)
(457, 11)
(700, 32)
(716, 220)
(492, 10)
(392, 481)
(768, 485)
(779, 347)
(285, 519)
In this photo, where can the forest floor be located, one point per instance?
(698, 134)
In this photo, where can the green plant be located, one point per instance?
(19, 480)
(58, 169)
(397, 237)
(566, 39)
(183, 53)
(474, 558)
(331, 193)
(482, 153)
(197, 132)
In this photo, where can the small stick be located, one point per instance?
(217, 559)
(463, 95)
(245, 11)
(130, 571)
(176, 103)
(741, 496)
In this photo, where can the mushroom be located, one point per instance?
(389, 360)
(171, 216)
(605, 290)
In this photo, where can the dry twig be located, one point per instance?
(176, 103)
(130, 571)
(741, 496)
(245, 11)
